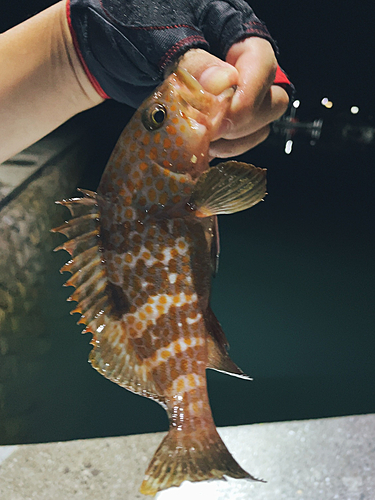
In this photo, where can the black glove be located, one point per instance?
(125, 45)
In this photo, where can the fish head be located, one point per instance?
(181, 119)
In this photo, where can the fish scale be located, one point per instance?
(143, 250)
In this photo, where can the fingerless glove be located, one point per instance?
(125, 45)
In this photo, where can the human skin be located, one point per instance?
(43, 84)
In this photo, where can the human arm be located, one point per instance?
(42, 81)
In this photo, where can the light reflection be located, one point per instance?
(296, 104)
(354, 110)
(288, 147)
(327, 103)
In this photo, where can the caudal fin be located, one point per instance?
(197, 457)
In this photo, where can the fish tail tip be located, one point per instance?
(175, 462)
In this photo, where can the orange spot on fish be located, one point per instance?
(152, 194)
(148, 244)
(159, 184)
(142, 201)
(167, 143)
(128, 213)
(146, 140)
(141, 154)
(182, 245)
(167, 164)
(160, 309)
(171, 129)
(133, 146)
(153, 154)
(137, 134)
(128, 258)
(139, 325)
(146, 255)
(149, 181)
(195, 408)
(176, 199)
(157, 138)
(180, 385)
(163, 299)
(173, 107)
(165, 354)
(179, 141)
(174, 155)
(148, 309)
(142, 316)
(182, 128)
(173, 186)
(175, 120)
(191, 380)
(143, 166)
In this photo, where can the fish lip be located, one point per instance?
(203, 107)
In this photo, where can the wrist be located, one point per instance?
(87, 89)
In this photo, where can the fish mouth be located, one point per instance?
(203, 108)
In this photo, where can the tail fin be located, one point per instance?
(193, 458)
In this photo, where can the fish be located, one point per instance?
(143, 249)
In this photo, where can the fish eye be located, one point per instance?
(154, 118)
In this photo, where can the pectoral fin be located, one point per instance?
(228, 188)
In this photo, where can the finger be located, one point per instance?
(256, 64)
(273, 107)
(212, 73)
(223, 148)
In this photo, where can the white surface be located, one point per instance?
(325, 459)
(6, 451)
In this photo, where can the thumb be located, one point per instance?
(211, 72)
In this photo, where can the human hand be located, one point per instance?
(250, 66)
(125, 47)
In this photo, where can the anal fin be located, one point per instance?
(228, 188)
(218, 357)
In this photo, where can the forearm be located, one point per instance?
(42, 82)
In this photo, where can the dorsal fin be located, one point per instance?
(96, 297)
(218, 357)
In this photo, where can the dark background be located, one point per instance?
(295, 292)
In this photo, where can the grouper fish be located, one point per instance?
(143, 250)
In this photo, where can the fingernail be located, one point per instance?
(216, 79)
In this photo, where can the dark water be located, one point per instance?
(295, 295)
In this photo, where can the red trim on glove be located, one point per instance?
(93, 80)
(281, 79)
